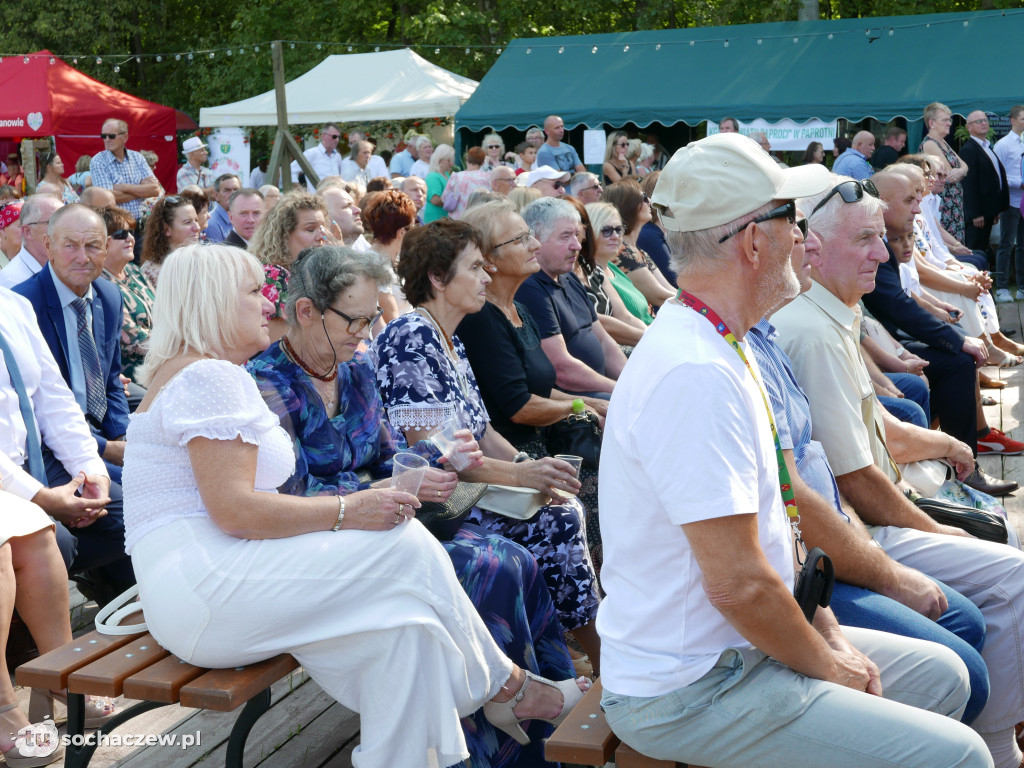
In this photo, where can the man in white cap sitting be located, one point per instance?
(193, 171)
(549, 181)
(706, 657)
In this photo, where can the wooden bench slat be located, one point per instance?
(222, 690)
(584, 737)
(106, 676)
(52, 669)
(161, 681)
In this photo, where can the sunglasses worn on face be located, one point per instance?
(111, 136)
(121, 234)
(786, 210)
(356, 324)
(804, 229)
(610, 230)
(494, 146)
(851, 191)
(587, 189)
(333, 135)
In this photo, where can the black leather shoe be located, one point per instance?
(979, 481)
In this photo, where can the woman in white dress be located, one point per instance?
(231, 572)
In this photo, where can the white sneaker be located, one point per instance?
(1003, 296)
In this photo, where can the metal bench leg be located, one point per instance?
(252, 712)
(80, 751)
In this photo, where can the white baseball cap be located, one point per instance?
(719, 179)
(530, 178)
(191, 144)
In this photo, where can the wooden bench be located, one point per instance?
(585, 738)
(137, 667)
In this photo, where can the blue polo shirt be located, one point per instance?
(562, 307)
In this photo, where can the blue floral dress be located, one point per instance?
(501, 578)
(421, 387)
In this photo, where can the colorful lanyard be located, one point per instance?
(785, 484)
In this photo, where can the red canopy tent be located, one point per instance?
(40, 96)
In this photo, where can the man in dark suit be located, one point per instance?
(80, 318)
(986, 193)
(245, 209)
(951, 354)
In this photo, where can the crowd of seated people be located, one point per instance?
(320, 338)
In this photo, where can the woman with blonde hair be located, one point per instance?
(616, 165)
(521, 197)
(441, 163)
(494, 148)
(294, 224)
(938, 120)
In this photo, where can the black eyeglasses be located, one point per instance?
(356, 324)
(111, 136)
(522, 239)
(786, 210)
(587, 189)
(851, 191)
(610, 230)
(333, 135)
(121, 234)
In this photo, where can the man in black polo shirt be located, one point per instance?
(586, 359)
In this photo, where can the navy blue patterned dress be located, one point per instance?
(422, 387)
(501, 578)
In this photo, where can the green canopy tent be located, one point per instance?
(847, 68)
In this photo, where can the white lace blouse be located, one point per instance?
(214, 399)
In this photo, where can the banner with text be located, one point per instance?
(787, 135)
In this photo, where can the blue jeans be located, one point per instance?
(961, 629)
(914, 406)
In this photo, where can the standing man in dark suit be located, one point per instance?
(80, 319)
(986, 193)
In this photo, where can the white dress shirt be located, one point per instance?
(58, 416)
(21, 268)
(325, 165)
(350, 171)
(1010, 151)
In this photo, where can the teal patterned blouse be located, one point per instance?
(138, 295)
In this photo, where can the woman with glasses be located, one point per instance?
(938, 119)
(294, 224)
(344, 444)
(494, 148)
(171, 224)
(815, 153)
(608, 234)
(635, 209)
(425, 379)
(136, 290)
(616, 166)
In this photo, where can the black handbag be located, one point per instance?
(980, 524)
(444, 518)
(578, 434)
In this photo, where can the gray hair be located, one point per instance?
(482, 195)
(542, 215)
(30, 209)
(580, 180)
(357, 147)
(488, 218)
(321, 273)
(419, 140)
(69, 210)
(441, 152)
(827, 220)
(700, 252)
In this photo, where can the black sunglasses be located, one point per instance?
(333, 135)
(121, 234)
(111, 136)
(786, 210)
(610, 230)
(803, 227)
(851, 191)
(356, 324)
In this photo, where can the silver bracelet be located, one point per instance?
(341, 513)
(520, 457)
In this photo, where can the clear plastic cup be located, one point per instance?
(576, 462)
(448, 444)
(407, 472)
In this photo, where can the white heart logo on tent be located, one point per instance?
(35, 120)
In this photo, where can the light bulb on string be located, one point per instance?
(561, 49)
(293, 46)
(256, 48)
(52, 60)
(626, 49)
(467, 51)
(177, 57)
(499, 51)
(26, 59)
(99, 60)
(376, 49)
(117, 68)
(211, 54)
(159, 59)
(229, 51)
(594, 49)
(529, 50)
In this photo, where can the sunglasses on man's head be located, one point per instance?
(850, 191)
(786, 210)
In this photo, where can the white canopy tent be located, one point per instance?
(390, 85)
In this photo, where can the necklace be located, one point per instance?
(449, 348)
(292, 355)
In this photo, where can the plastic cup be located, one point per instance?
(407, 472)
(575, 462)
(448, 444)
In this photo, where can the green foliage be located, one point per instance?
(439, 30)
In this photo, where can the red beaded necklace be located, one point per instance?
(290, 351)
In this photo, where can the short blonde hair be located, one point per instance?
(196, 307)
(932, 111)
(521, 197)
(600, 214)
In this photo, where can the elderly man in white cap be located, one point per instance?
(548, 180)
(706, 656)
(193, 171)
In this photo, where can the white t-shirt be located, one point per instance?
(687, 439)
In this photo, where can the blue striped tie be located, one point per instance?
(95, 392)
(36, 465)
